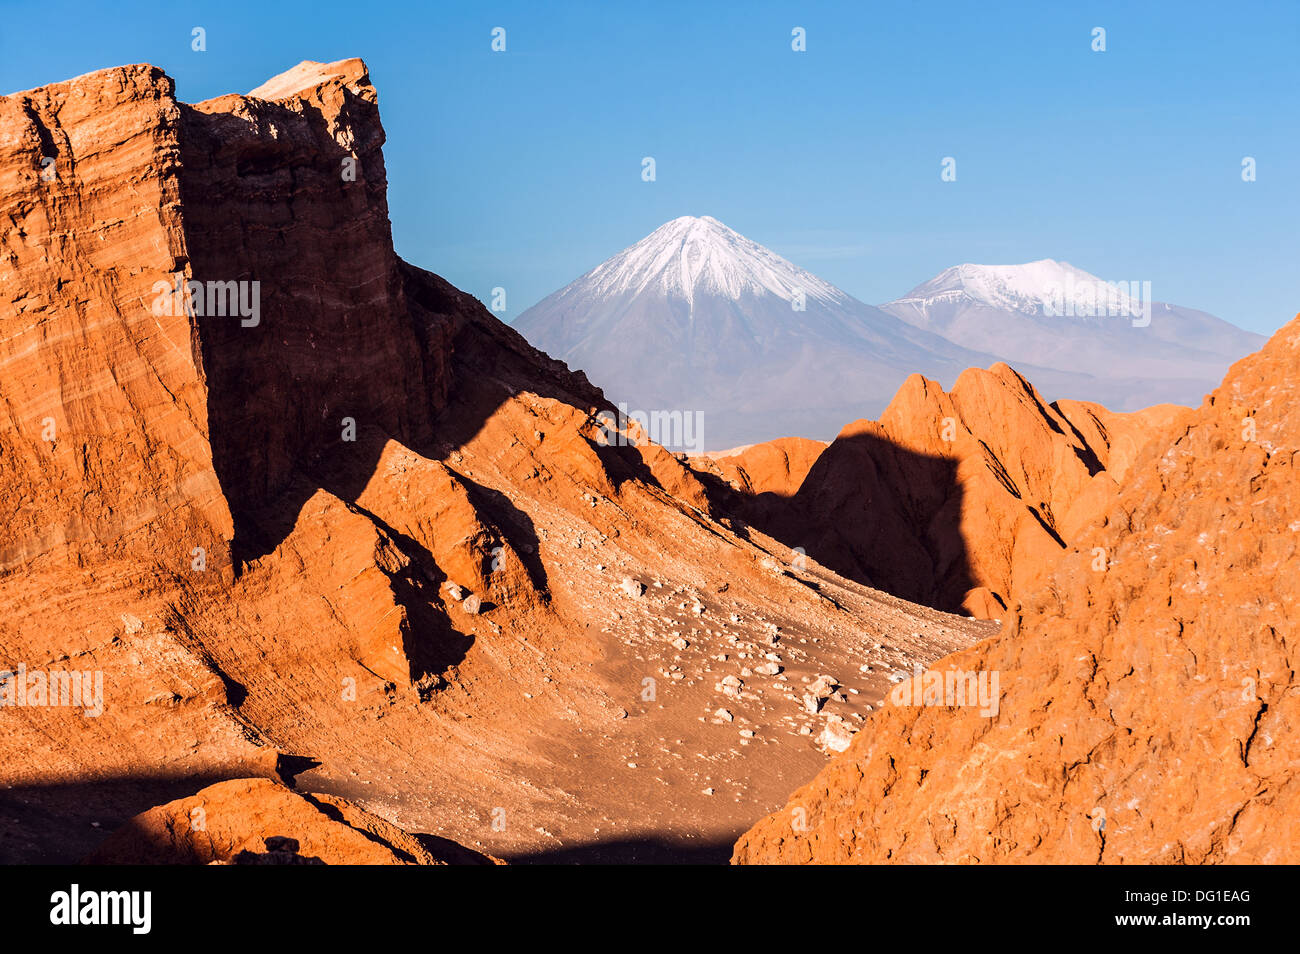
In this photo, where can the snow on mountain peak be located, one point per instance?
(1027, 288)
(693, 255)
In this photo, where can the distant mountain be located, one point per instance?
(696, 317)
(1135, 352)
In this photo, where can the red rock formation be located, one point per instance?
(1149, 698)
(94, 382)
(256, 821)
(773, 467)
(954, 499)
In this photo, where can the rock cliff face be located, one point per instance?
(155, 432)
(312, 514)
(95, 384)
(1149, 701)
(286, 187)
(277, 207)
(953, 499)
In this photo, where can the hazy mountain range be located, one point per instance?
(696, 317)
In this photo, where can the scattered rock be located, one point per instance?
(836, 736)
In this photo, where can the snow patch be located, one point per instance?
(692, 256)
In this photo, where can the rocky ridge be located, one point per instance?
(955, 499)
(1149, 701)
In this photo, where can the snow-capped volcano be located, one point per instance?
(692, 255)
(1034, 288)
(1132, 349)
(697, 317)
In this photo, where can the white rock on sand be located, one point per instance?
(836, 736)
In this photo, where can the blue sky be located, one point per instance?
(522, 169)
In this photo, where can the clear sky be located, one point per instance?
(522, 169)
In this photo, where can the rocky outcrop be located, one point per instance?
(775, 467)
(189, 411)
(258, 822)
(287, 187)
(1149, 702)
(953, 499)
